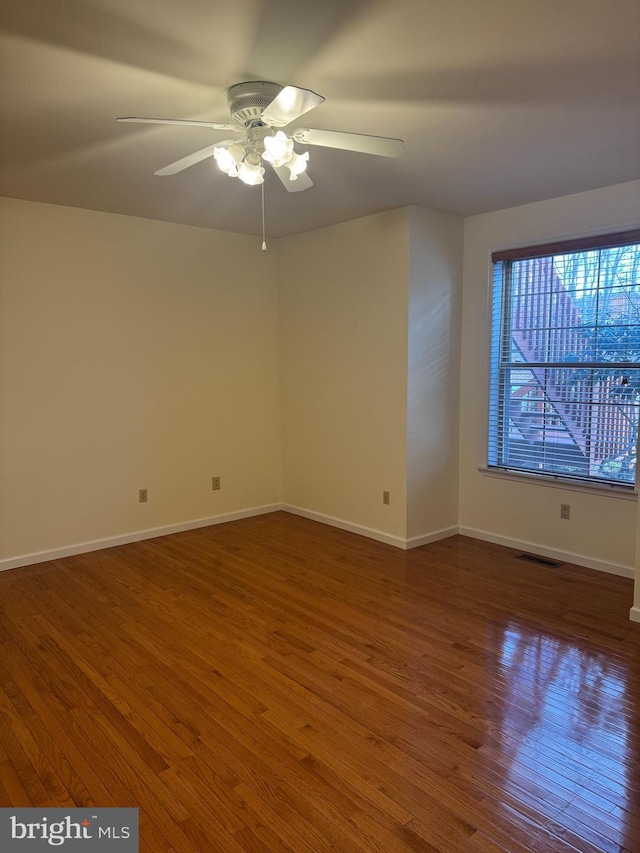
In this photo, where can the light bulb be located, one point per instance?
(278, 149)
(250, 171)
(228, 157)
(224, 160)
(297, 165)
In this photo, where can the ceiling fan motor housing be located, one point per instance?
(247, 101)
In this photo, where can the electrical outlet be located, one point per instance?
(386, 498)
(142, 496)
(565, 511)
(215, 483)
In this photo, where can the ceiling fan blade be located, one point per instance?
(290, 104)
(216, 125)
(302, 182)
(384, 146)
(189, 160)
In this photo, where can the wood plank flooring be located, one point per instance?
(278, 685)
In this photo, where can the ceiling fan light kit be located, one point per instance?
(258, 110)
(243, 159)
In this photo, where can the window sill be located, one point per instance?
(567, 484)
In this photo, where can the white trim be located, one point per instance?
(426, 538)
(634, 614)
(554, 482)
(553, 553)
(134, 536)
(369, 532)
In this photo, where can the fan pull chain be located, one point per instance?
(264, 242)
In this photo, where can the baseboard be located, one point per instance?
(427, 538)
(553, 553)
(361, 530)
(369, 532)
(135, 536)
(634, 614)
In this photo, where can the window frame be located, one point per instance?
(499, 350)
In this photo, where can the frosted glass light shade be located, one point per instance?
(297, 164)
(228, 157)
(251, 173)
(278, 149)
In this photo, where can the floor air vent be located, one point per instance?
(540, 561)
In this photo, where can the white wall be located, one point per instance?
(435, 295)
(134, 354)
(370, 317)
(602, 527)
(141, 354)
(343, 314)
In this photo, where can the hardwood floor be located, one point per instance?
(277, 685)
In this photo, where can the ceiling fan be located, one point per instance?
(258, 110)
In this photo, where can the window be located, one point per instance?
(565, 360)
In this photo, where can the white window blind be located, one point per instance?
(565, 360)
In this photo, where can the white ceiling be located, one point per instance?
(500, 102)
